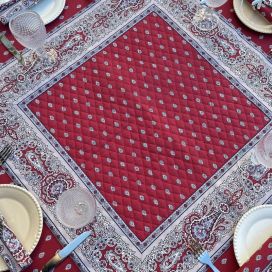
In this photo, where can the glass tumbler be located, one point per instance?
(76, 208)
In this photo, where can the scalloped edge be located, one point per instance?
(237, 228)
(53, 17)
(39, 209)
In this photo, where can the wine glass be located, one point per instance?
(76, 208)
(213, 3)
(29, 30)
(205, 18)
(263, 151)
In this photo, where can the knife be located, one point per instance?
(11, 48)
(62, 254)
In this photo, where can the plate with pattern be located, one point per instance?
(250, 17)
(20, 208)
(253, 229)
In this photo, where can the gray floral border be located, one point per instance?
(69, 48)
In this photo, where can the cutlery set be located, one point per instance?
(5, 153)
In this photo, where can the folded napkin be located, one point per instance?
(11, 249)
(261, 260)
(17, 6)
(264, 7)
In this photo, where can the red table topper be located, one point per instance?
(102, 115)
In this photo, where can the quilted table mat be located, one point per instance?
(153, 114)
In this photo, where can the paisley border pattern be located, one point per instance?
(36, 159)
(142, 245)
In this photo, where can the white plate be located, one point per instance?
(250, 17)
(23, 214)
(49, 10)
(253, 229)
(4, 1)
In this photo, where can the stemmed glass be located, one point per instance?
(213, 3)
(205, 18)
(29, 30)
(76, 208)
(263, 151)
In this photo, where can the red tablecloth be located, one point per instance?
(49, 244)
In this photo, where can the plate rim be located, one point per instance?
(3, 2)
(39, 210)
(265, 30)
(238, 226)
(55, 15)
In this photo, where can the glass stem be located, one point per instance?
(48, 58)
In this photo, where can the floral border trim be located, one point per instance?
(75, 43)
(142, 245)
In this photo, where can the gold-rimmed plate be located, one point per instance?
(250, 17)
(23, 215)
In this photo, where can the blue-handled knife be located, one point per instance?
(66, 251)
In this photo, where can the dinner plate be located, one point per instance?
(23, 215)
(49, 10)
(4, 1)
(250, 17)
(253, 229)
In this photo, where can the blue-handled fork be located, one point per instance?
(202, 254)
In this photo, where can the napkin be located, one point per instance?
(264, 7)
(261, 260)
(16, 7)
(11, 249)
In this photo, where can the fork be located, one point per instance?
(5, 153)
(202, 255)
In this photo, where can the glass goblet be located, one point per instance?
(213, 3)
(29, 30)
(263, 151)
(76, 208)
(205, 18)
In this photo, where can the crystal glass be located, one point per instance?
(29, 30)
(263, 151)
(76, 208)
(214, 3)
(205, 18)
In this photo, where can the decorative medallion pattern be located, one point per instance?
(44, 166)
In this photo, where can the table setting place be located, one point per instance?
(136, 135)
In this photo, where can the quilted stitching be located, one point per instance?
(149, 121)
